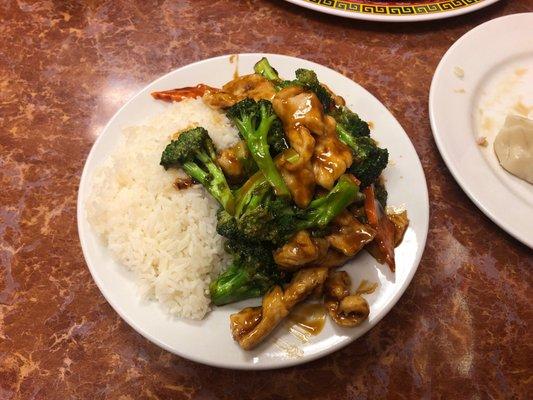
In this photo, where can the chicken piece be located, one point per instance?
(254, 86)
(301, 114)
(349, 235)
(220, 99)
(249, 330)
(230, 164)
(301, 249)
(304, 283)
(331, 157)
(400, 222)
(350, 312)
(337, 286)
(301, 182)
(236, 162)
(296, 106)
(244, 321)
(332, 259)
(301, 140)
(345, 309)
(251, 326)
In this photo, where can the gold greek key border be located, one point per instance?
(418, 9)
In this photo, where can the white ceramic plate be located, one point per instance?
(397, 11)
(209, 341)
(497, 61)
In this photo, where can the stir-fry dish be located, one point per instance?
(300, 195)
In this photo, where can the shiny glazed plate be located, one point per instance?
(486, 74)
(209, 341)
(394, 11)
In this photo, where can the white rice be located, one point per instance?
(166, 237)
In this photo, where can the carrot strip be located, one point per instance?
(385, 231)
(180, 94)
(370, 206)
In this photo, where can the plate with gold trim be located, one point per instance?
(394, 11)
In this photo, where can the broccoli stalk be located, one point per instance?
(263, 67)
(195, 153)
(260, 217)
(251, 273)
(254, 120)
(323, 210)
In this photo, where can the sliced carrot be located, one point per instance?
(370, 206)
(180, 94)
(383, 246)
(385, 240)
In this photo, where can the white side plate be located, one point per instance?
(496, 59)
(209, 341)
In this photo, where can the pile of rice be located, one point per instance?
(167, 237)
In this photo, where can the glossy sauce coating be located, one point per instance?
(311, 317)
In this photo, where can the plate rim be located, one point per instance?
(459, 177)
(387, 18)
(283, 363)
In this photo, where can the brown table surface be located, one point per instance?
(460, 331)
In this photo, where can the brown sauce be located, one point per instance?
(234, 59)
(183, 183)
(311, 317)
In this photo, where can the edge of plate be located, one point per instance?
(381, 18)
(283, 363)
(441, 147)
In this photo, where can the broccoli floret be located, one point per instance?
(251, 273)
(276, 138)
(349, 122)
(195, 153)
(254, 121)
(259, 215)
(227, 225)
(308, 79)
(271, 221)
(263, 67)
(369, 160)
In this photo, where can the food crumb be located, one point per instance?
(366, 287)
(183, 183)
(459, 90)
(488, 123)
(482, 141)
(371, 125)
(520, 71)
(459, 72)
(522, 109)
